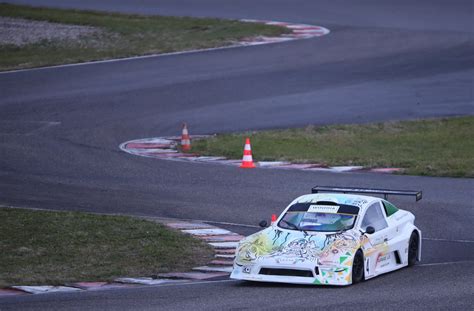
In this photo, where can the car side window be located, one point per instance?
(374, 217)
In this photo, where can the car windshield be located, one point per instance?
(317, 221)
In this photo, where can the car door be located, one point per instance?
(376, 251)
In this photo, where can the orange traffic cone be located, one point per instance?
(274, 218)
(247, 161)
(185, 141)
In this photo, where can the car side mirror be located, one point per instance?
(263, 224)
(369, 230)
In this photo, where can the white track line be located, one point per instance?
(241, 44)
(105, 61)
(444, 263)
(447, 240)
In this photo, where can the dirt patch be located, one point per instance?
(19, 32)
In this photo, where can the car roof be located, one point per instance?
(362, 201)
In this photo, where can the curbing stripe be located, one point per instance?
(146, 281)
(206, 159)
(147, 146)
(272, 163)
(222, 238)
(222, 262)
(213, 269)
(225, 245)
(295, 166)
(187, 225)
(193, 275)
(338, 169)
(225, 251)
(225, 256)
(93, 286)
(223, 241)
(154, 151)
(174, 155)
(210, 231)
(46, 289)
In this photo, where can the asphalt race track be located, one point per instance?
(383, 60)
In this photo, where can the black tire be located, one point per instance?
(358, 267)
(413, 248)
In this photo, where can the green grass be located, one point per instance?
(437, 147)
(123, 36)
(43, 247)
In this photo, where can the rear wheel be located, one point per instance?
(358, 267)
(413, 248)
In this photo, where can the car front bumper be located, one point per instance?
(320, 275)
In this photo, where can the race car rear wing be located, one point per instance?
(386, 192)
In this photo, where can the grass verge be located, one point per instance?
(436, 147)
(122, 36)
(44, 247)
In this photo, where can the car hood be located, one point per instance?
(291, 246)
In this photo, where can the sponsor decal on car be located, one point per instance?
(323, 209)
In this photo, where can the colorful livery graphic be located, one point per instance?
(332, 238)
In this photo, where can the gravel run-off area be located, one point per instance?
(19, 32)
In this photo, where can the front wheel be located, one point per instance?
(413, 248)
(358, 267)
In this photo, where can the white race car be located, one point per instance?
(331, 238)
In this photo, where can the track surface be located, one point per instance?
(60, 129)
